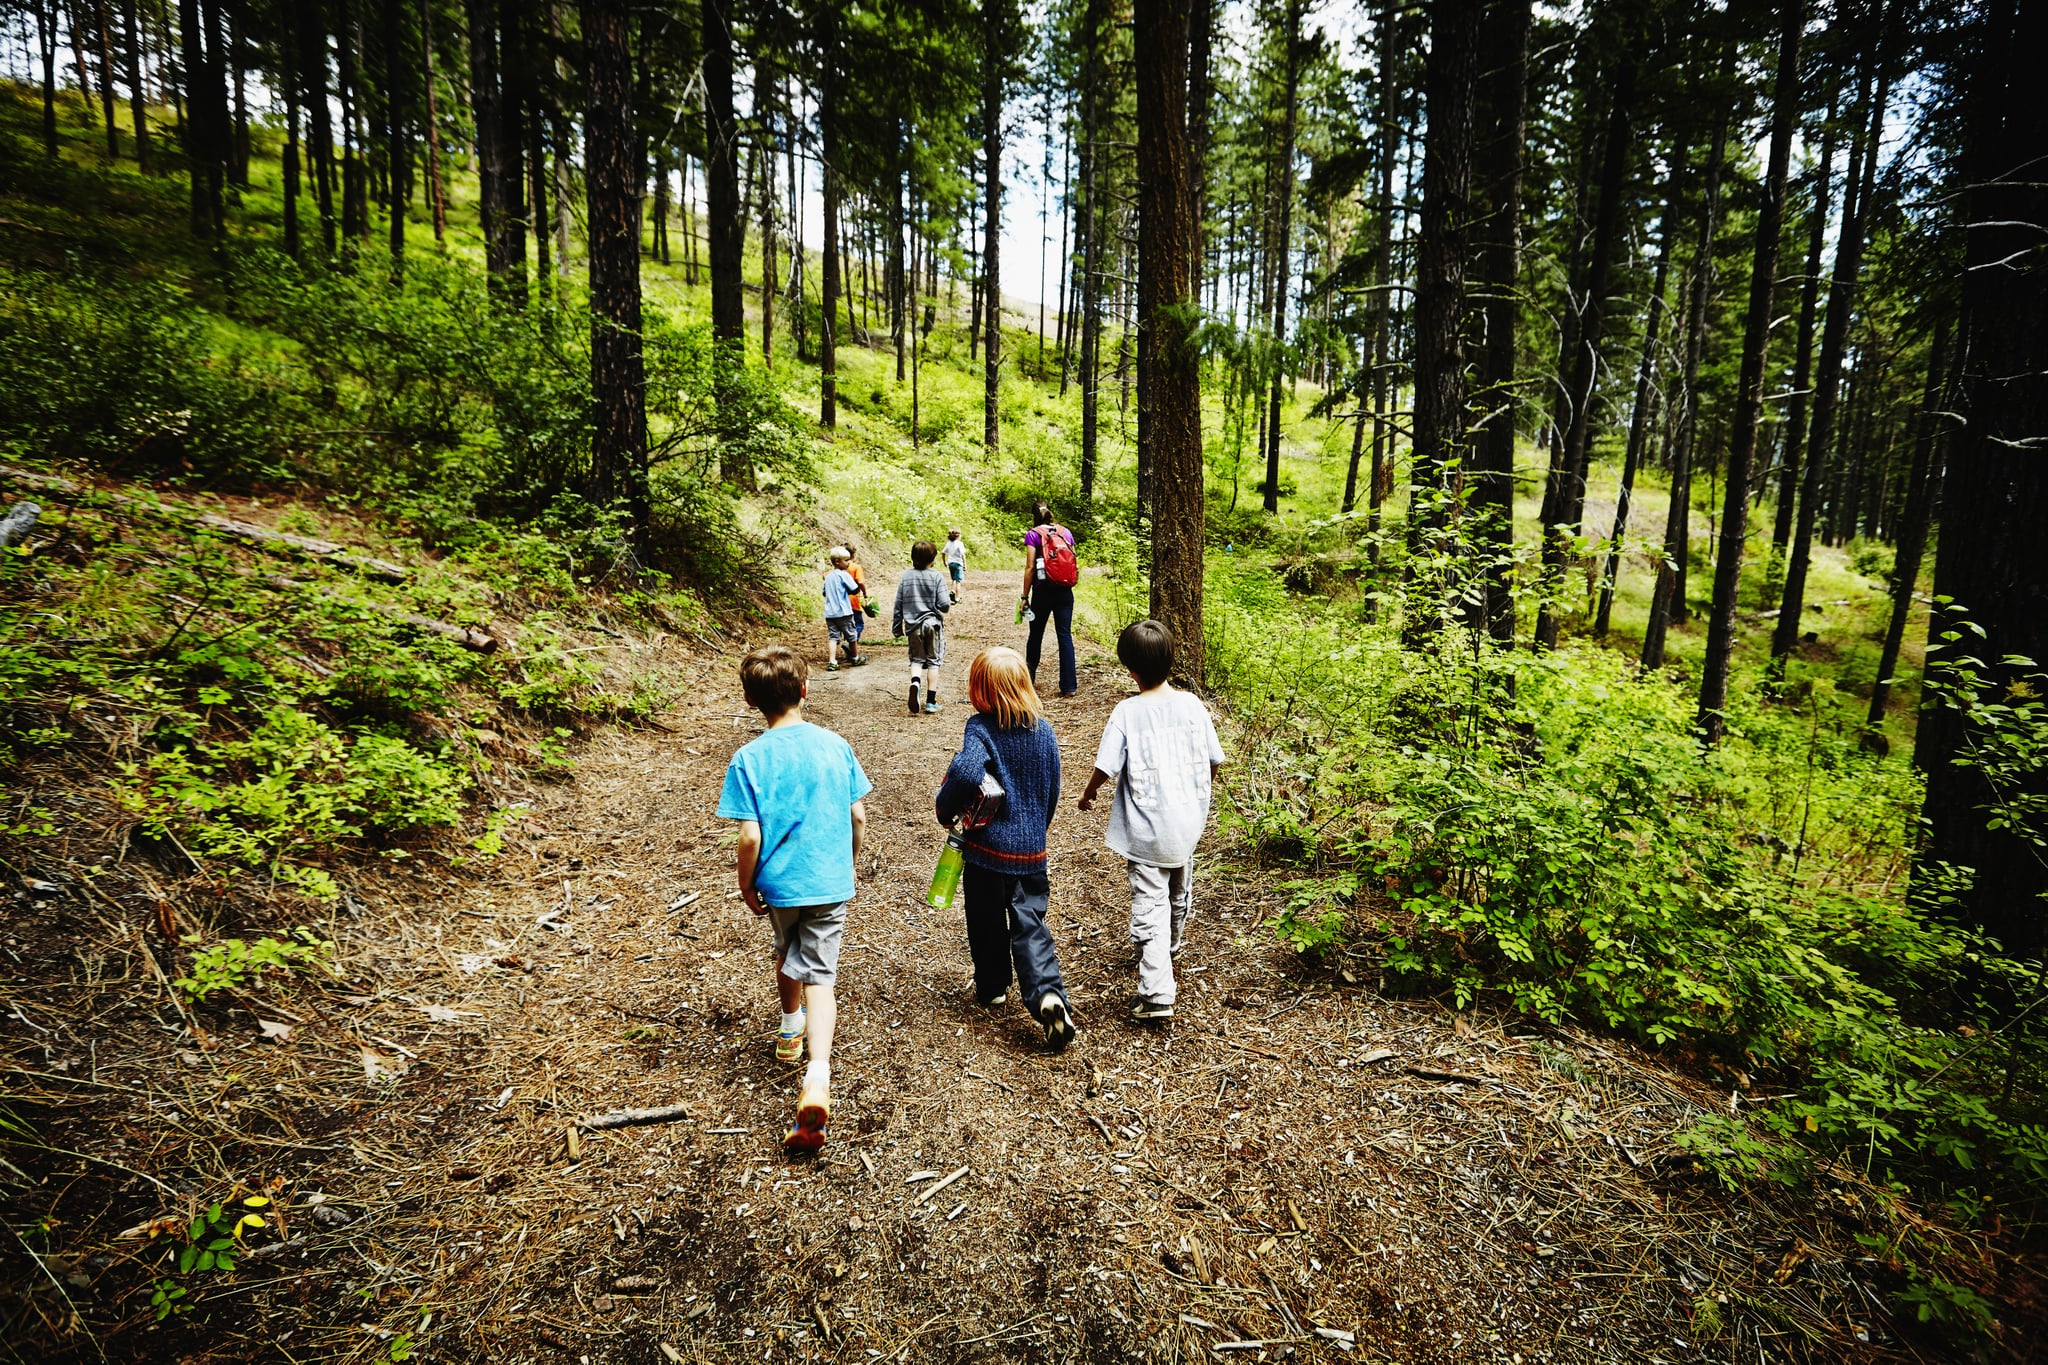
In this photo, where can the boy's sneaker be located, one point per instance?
(813, 1112)
(994, 1001)
(856, 661)
(931, 705)
(1058, 1021)
(914, 690)
(831, 668)
(789, 1047)
(1149, 1011)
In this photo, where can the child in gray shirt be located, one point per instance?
(922, 601)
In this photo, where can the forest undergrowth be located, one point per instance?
(1538, 835)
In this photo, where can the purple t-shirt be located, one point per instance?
(1034, 539)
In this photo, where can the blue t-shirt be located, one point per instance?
(839, 591)
(799, 784)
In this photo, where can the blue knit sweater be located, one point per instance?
(1027, 765)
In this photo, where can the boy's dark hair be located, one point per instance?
(1146, 648)
(773, 678)
(922, 554)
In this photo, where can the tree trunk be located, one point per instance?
(319, 118)
(355, 217)
(1802, 354)
(106, 55)
(992, 57)
(764, 93)
(1642, 413)
(1856, 194)
(1749, 394)
(1383, 276)
(231, 59)
(1440, 439)
(725, 231)
(1569, 497)
(612, 182)
(1990, 564)
(1283, 172)
(138, 98)
(1170, 366)
(828, 136)
(436, 194)
(1090, 282)
(1493, 499)
(1913, 522)
(1667, 601)
(46, 46)
(289, 167)
(398, 154)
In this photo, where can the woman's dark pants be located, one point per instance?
(1052, 602)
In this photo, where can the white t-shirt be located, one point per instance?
(956, 552)
(1159, 747)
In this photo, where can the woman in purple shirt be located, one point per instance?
(1048, 600)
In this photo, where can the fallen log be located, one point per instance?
(482, 641)
(19, 521)
(260, 537)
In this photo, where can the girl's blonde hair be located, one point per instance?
(999, 686)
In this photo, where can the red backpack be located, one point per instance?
(1056, 554)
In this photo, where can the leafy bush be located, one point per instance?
(119, 372)
(234, 964)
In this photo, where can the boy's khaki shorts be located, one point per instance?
(807, 939)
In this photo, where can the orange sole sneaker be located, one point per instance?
(807, 1135)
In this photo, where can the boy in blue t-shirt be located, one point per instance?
(796, 791)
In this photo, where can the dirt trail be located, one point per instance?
(1295, 1162)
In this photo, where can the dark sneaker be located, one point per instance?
(994, 1001)
(913, 698)
(857, 661)
(1148, 1011)
(1058, 1021)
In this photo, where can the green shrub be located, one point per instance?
(234, 964)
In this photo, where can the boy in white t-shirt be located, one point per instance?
(1160, 748)
(956, 561)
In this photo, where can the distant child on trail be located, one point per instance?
(1050, 572)
(864, 603)
(956, 561)
(796, 791)
(920, 616)
(1160, 749)
(1010, 741)
(842, 606)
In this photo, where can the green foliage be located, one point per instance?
(234, 964)
(125, 372)
(210, 1245)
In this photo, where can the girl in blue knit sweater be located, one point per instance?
(1006, 889)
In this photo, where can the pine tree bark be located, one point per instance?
(436, 193)
(138, 98)
(1381, 481)
(1790, 467)
(1643, 412)
(106, 56)
(1749, 393)
(725, 230)
(828, 137)
(1567, 497)
(611, 176)
(1283, 175)
(1440, 435)
(992, 39)
(1667, 599)
(1090, 281)
(1995, 500)
(398, 154)
(312, 68)
(764, 110)
(1856, 193)
(1913, 520)
(46, 44)
(1170, 368)
(1493, 497)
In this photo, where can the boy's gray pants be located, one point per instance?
(1161, 900)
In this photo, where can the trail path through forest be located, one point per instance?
(1296, 1166)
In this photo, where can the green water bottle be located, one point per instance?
(946, 877)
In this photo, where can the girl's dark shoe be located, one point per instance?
(1149, 1011)
(913, 698)
(1058, 1021)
